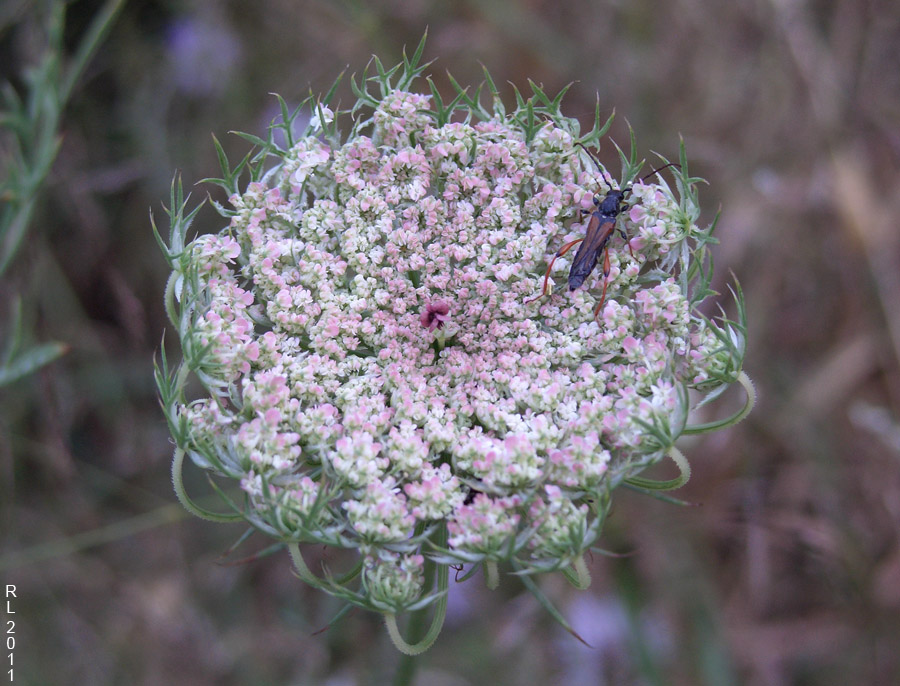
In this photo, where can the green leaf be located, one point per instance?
(30, 361)
(499, 109)
(411, 68)
(545, 602)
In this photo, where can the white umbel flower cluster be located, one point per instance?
(382, 372)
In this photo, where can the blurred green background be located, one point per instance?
(788, 569)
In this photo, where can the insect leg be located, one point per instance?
(624, 235)
(606, 270)
(559, 253)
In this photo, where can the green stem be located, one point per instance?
(169, 300)
(750, 390)
(406, 669)
(491, 574)
(437, 623)
(303, 571)
(185, 499)
(584, 576)
(100, 26)
(650, 484)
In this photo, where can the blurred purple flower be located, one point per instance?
(203, 53)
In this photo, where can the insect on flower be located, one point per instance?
(600, 229)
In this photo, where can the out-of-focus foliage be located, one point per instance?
(785, 575)
(29, 135)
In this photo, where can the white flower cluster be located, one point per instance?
(381, 365)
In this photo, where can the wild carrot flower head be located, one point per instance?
(379, 372)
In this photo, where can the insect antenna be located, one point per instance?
(656, 171)
(600, 169)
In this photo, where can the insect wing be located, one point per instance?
(598, 233)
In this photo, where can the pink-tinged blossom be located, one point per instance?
(408, 451)
(319, 425)
(302, 161)
(252, 485)
(407, 174)
(381, 514)
(485, 525)
(381, 360)
(435, 494)
(401, 115)
(435, 315)
(357, 460)
(582, 463)
(512, 461)
(226, 331)
(356, 165)
(394, 581)
(561, 525)
(262, 445)
(213, 253)
(297, 501)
